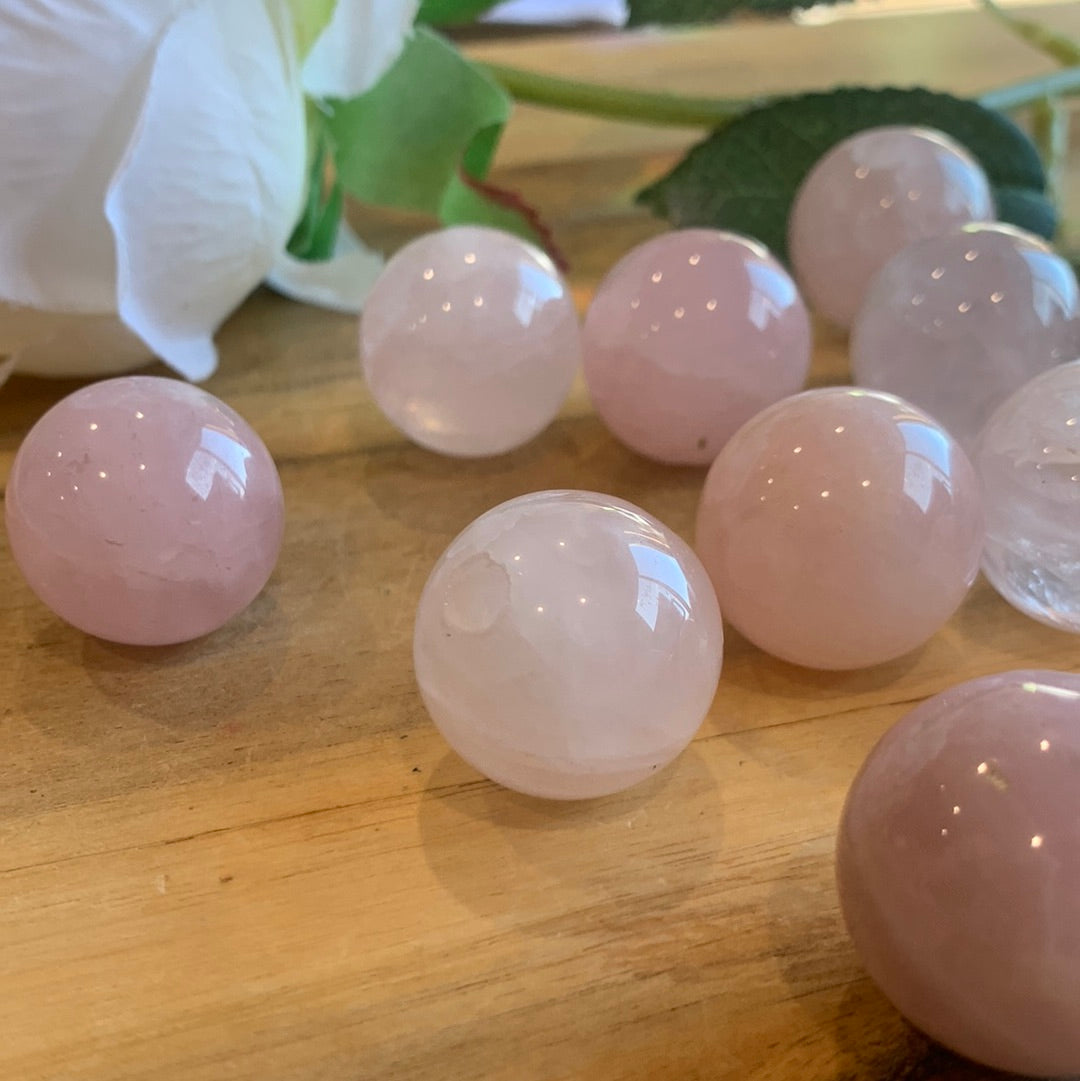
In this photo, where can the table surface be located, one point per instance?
(252, 857)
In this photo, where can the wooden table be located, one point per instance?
(252, 857)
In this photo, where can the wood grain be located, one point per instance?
(252, 857)
(959, 50)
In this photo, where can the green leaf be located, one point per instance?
(324, 232)
(1029, 209)
(300, 242)
(452, 12)
(745, 176)
(315, 235)
(668, 12)
(431, 118)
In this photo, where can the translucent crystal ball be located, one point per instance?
(840, 527)
(144, 511)
(958, 864)
(869, 197)
(1029, 461)
(568, 644)
(955, 323)
(469, 341)
(689, 336)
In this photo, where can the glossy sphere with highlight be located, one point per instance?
(958, 862)
(469, 341)
(689, 336)
(144, 511)
(868, 198)
(955, 323)
(1029, 459)
(841, 528)
(567, 644)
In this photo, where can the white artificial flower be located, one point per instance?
(153, 168)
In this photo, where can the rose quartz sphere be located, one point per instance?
(567, 644)
(1029, 459)
(958, 864)
(144, 511)
(470, 341)
(689, 336)
(840, 527)
(869, 197)
(955, 323)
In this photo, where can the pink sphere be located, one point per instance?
(956, 322)
(958, 864)
(567, 644)
(689, 336)
(869, 197)
(841, 528)
(470, 341)
(144, 511)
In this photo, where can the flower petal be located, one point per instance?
(210, 186)
(362, 40)
(340, 283)
(72, 76)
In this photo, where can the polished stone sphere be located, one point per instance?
(955, 323)
(469, 341)
(568, 644)
(841, 528)
(1029, 459)
(958, 863)
(690, 335)
(144, 511)
(868, 198)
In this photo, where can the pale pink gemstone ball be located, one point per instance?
(144, 511)
(955, 323)
(469, 341)
(869, 197)
(840, 527)
(958, 864)
(568, 644)
(689, 336)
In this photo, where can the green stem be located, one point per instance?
(1057, 46)
(1019, 95)
(676, 110)
(617, 103)
(1050, 131)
